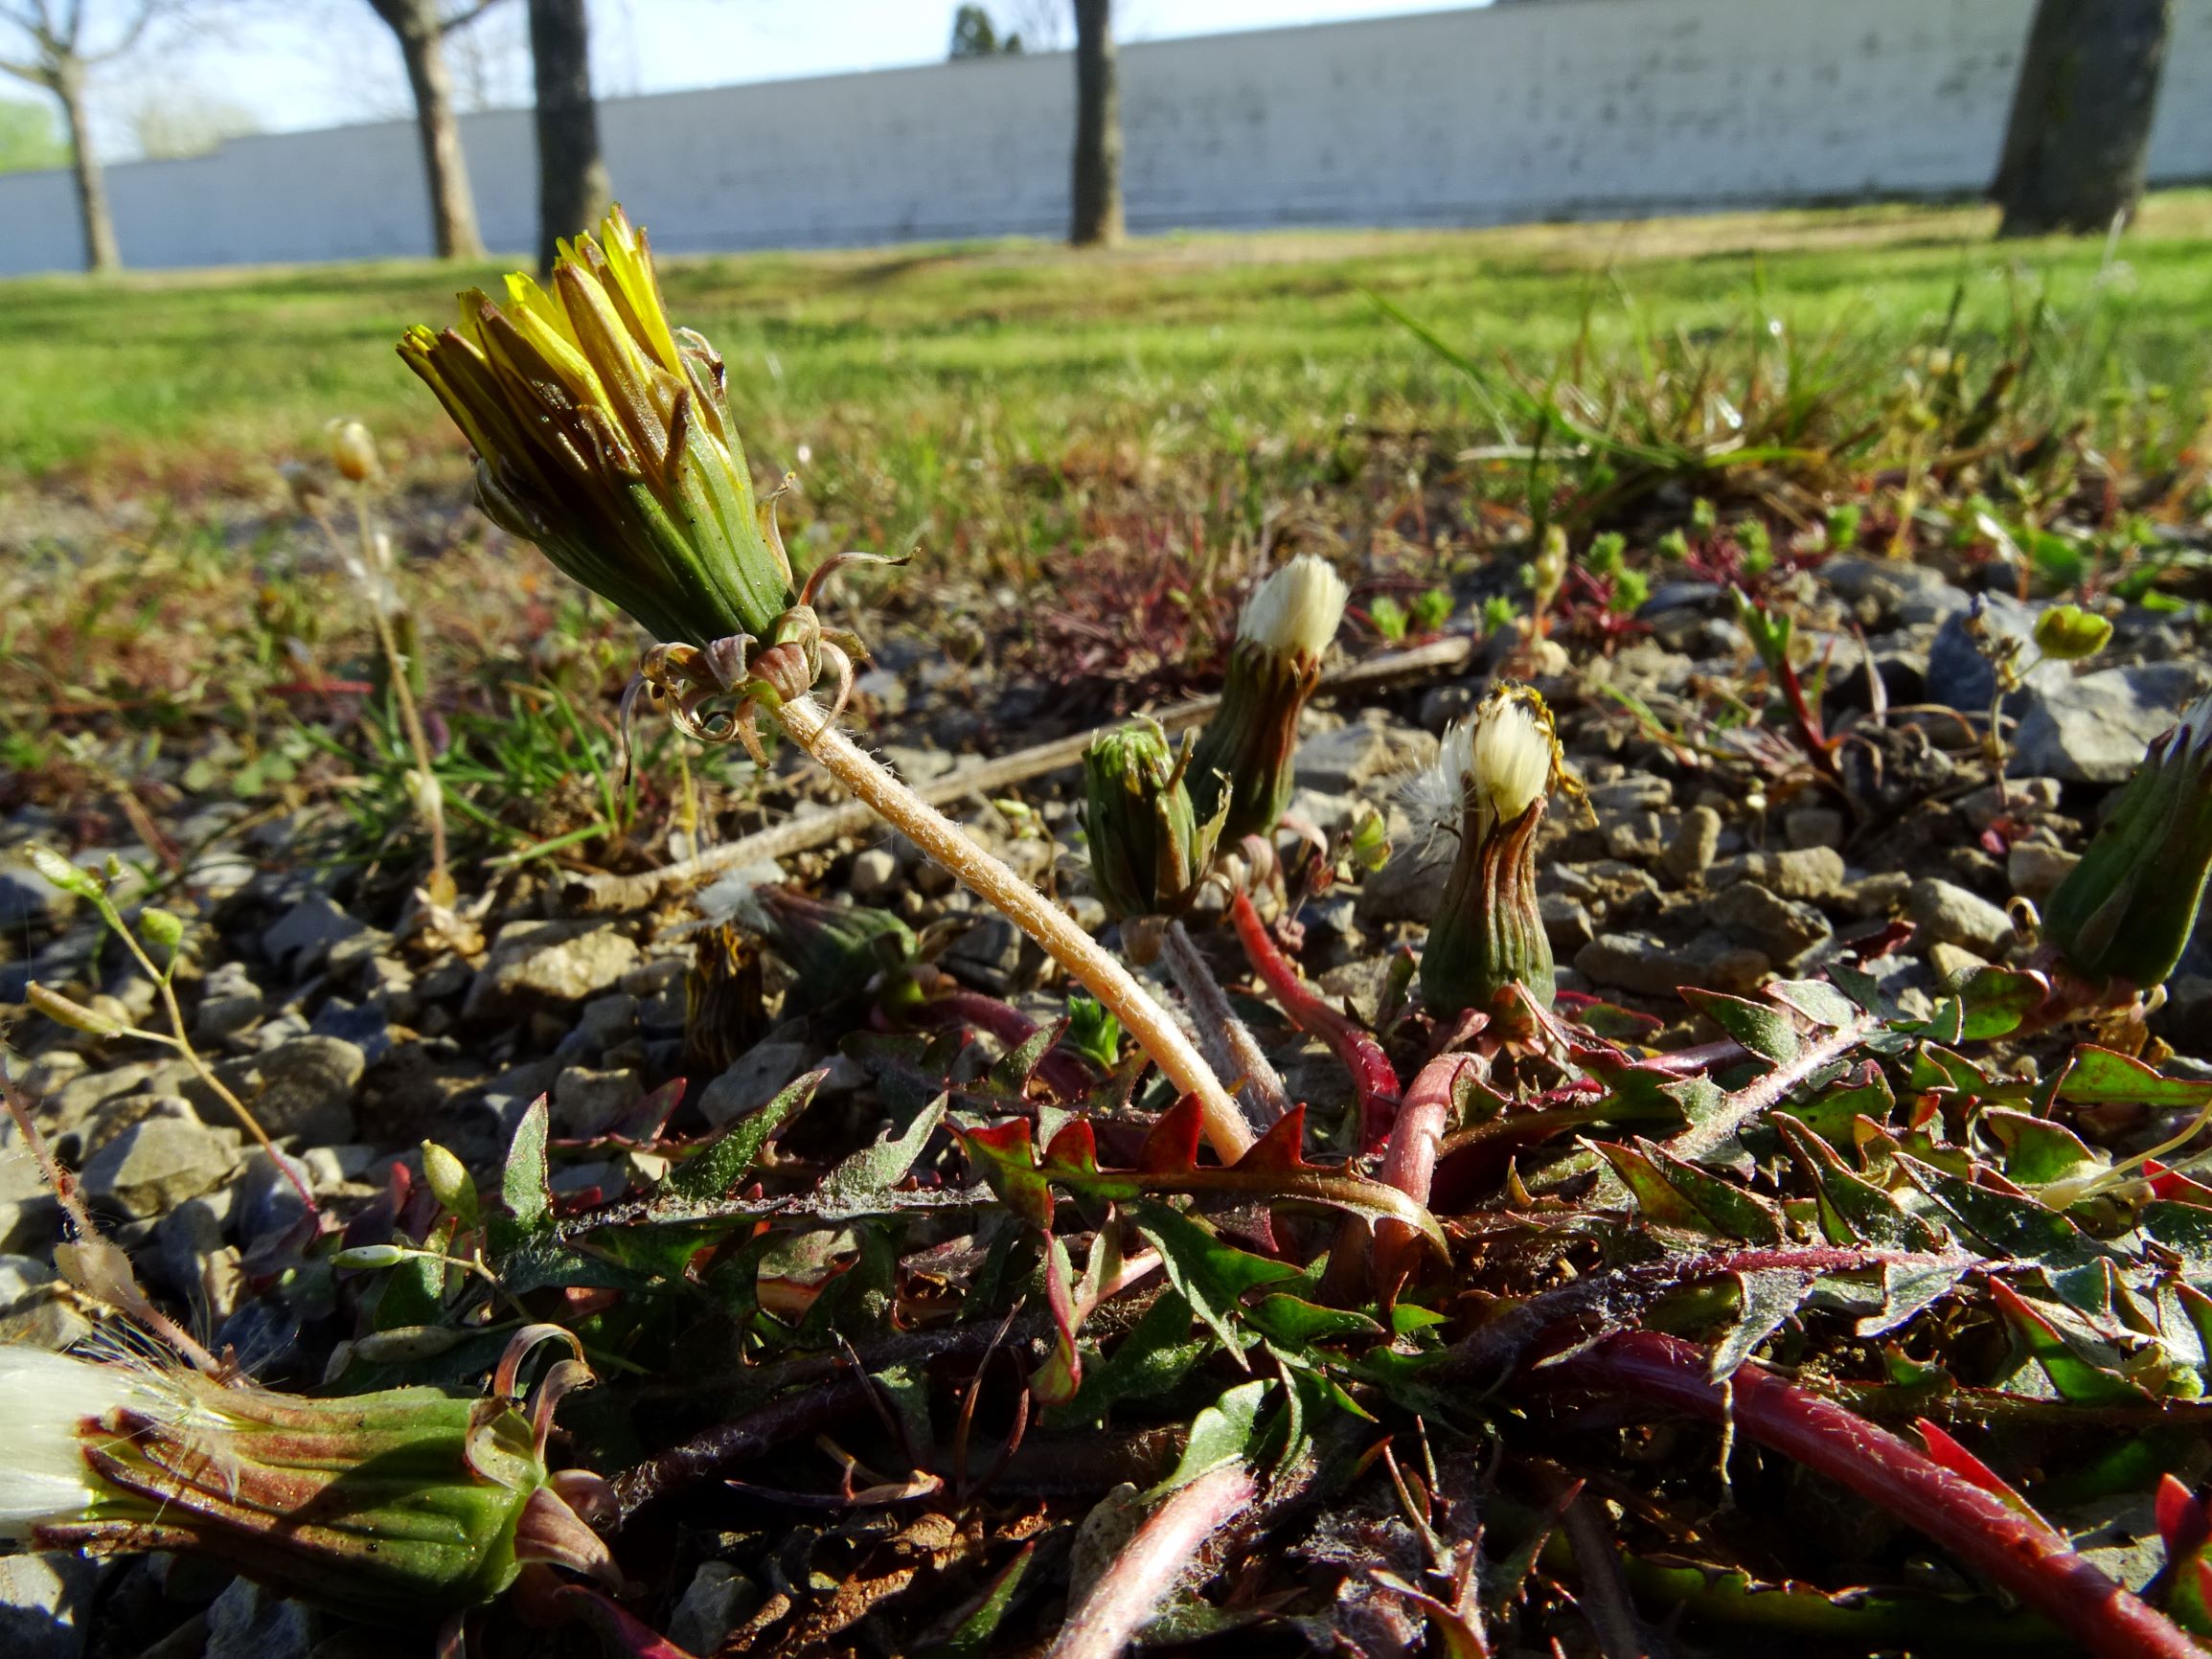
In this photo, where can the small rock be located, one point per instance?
(1441, 705)
(46, 1604)
(29, 1212)
(1566, 923)
(2023, 799)
(586, 1102)
(1756, 916)
(1959, 674)
(2094, 729)
(718, 1599)
(1690, 854)
(229, 1001)
(1952, 964)
(28, 899)
(886, 693)
(157, 1164)
(532, 964)
(757, 1077)
(1809, 873)
(2035, 869)
(1643, 963)
(874, 871)
(299, 941)
(1814, 826)
(304, 1087)
(1410, 887)
(1946, 914)
(2188, 1012)
(1637, 792)
(1897, 589)
(1638, 838)
(1349, 759)
(990, 956)
(247, 1621)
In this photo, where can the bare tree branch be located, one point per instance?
(467, 14)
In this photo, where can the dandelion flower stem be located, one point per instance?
(430, 799)
(1152, 1027)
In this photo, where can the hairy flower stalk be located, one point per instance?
(603, 434)
(400, 1507)
(1246, 754)
(1148, 847)
(2126, 911)
(1490, 786)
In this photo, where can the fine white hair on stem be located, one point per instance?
(1295, 611)
(45, 1400)
(1495, 763)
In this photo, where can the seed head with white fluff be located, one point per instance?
(1294, 612)
(1246, 757)
(47, 1400)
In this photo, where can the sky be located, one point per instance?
(304, 64)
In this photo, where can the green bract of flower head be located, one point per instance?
(2126, 911)
(397, 1508)
(604, 435)
(1489, 787)
(1247, 754)
(1148, 847)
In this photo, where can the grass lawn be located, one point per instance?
(931, 357)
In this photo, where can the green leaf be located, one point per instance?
(973, 1638)
(1222, 1433)
(716, 1170)
(1907, 1288)
(1677, 1194)
(1816, 1000)
(1854, 1210)
(2036, 1150)
(1995, 1000)
(523, 1182)
(2100, 1076)
(1212, 1276)
(1764, 1299)
(876, 1169)
(2019, 1228)
(1766, 1031)
(1297, 1326)
(1155, 1355)
(2080, 1379)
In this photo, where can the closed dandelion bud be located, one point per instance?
(1246, 754)
(353, 450)
(604, 435)
(402, 1507)
(1489, 787)
(837, 951)
(2126, 911)
(1147, 846)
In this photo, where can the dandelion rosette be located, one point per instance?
(1489, 787)
(1246, 754)
(404, 1505)
(604, 435)
(2126, 911)
(1149, 845)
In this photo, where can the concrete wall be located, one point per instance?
(1578, 108)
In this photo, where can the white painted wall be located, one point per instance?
(1579, 108)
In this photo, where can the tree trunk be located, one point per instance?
(2079, 134)
(100, 252)
(1098, 129)
(446, 170)
(573, 190)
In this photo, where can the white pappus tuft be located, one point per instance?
(45, 1400)
(1495, 763)
(1295, 613)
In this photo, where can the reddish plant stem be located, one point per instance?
(1130, 1591)
(1063, 1072)
(1374, 1079)
(2021, 1554)
(1409, 1164)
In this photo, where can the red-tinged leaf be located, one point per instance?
(1005, 1154)
(2184, 1519)
(1073, 1152)
(2173, 1186)
(1056, 1381)
(1171, 1148)
(1283, 1148)
(1942, 1449)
